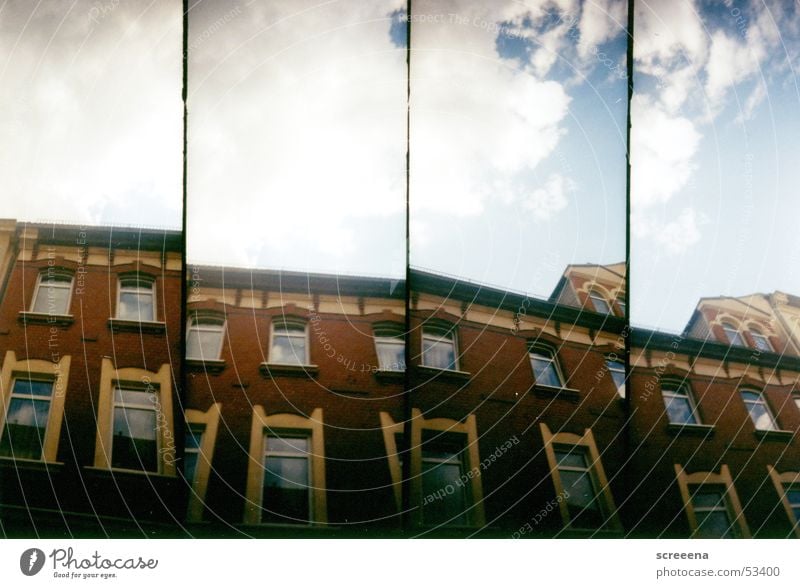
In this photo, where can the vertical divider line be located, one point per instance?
(405, 483)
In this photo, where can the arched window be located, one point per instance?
(679, 404)
(204, 337)
(53, 292)
(390, 346)
(599, 302)
(733, 334)
(759, 410)
(760, 340)
(136, 300)
(546, 371)
(439, 346)
(289, 342)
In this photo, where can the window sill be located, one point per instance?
(124, 472)
(560, 392)
(213, 366)
(444, 373)
(690, 429)
(118, 325)
(288, 369)
(390, 375)
(29, 464)
(764, 435)
(44, 318)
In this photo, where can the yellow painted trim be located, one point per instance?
(586, 440)
(710, 478)
(262, 423)
(476, 514)
(109, 377)
(197, 497)
(58, 373)
(780, 481)
(390, 431)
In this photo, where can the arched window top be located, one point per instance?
(439, 328)
(750, 395)
(136, 297)
(289, 341)
(206, 317)
(600, 300)
(389, 329)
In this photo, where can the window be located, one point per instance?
(579, 486)
(287, 479)
(442, 470)
(289, 343)
(759, 411)
(623, 309)
(135, 443)
(201, 435)
(599, 302)
(53, 293)
(733, 335)
(286, 472)
(134, 424)
(796, 398)
(712, 512)
(390, 346)
(679, 404)
(32, 394)
(136, 299)
(580, 481)
(204, 338)
(711, 504)
(439, 347)
(26, 419)
(617, 371)
(545, 367)
(761, 341)
(787, 485)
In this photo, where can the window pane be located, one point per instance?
(713, 524)
(33, 388)
(134, 445)
(544, 370)
(793, 496)
(297, 445)
(584, 507)
(136, 306)
(191, 454)
(443, 478)
(127, 396)
(706, 499)
(25, 426)
(600, 304)
(751, 396)
(575, 459)
(762, 343)
(761, 417)
(391, 354)
(203, 344)
(286, 489)
(52, 297)
(617, 370)
(679, 410)
(288, 349)
(438, 354)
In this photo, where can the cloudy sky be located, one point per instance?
(297, 136)
(90, 111)
(715, 154)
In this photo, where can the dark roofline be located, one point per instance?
(680, 344)
(294, 281)
(134, 238)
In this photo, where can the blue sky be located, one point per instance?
(715, 155)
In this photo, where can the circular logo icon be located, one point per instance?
(31, 561)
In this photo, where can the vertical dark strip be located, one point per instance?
(629, 409)
(406, 445)
(178, 417)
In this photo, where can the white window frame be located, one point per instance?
(759, 401)
(723, 506)
(208, 323)
(446, 334)
(141, 278)
(733, 334)
(542, 350)
(594, 296)
(757, 337)
(621, 388)
(673, 389)
(39, 284)
(396, 340)
(152, 406)
(588, 469)
(284, 321)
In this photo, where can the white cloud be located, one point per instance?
(551, 198)
(601, 21)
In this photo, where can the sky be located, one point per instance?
(297, 137)
(91, 118)
(715, 154)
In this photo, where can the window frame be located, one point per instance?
(724, 480)
(552, 441)
(594, 294)
(37, 369)
(756, 335)
(398, 340)
(151, 407)
(666, 390)
(306, 457)
(611, 372)
(533, 348)
(448, 329)
(623, 307)
(212, 319)
(288, 424)
(209, 421)
(728, 327)
(37, 289)
(784, 483)
(294, 321)
(762, 400)
(14, 395)
(142, 278)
